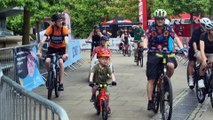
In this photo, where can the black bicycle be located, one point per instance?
(53, 78)
(139, 59)
(162, 91)
(202, 92)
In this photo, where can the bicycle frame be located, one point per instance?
(102, 95)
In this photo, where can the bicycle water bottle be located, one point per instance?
(170, 44)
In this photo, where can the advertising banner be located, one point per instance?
(27, 69)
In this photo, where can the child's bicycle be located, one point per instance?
(102, 100)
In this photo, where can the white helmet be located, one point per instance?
(204, 21)
(167, 21)
(209, 26)
(160, 13)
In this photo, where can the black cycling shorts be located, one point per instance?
(191, 53)
(59, 51)
(154, 64)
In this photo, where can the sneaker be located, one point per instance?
(61, 87)
(191, 82)
(151, 105)
(93, 98)
(109, 111)
(201, 83)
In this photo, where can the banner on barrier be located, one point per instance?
(27, 69)
(113, 42)
(74, 53)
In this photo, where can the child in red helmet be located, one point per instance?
(101, 73)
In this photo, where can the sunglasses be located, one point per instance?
(159, 18)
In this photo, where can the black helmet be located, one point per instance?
(56, 17)
(96, 27)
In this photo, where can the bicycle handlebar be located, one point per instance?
(162, 53)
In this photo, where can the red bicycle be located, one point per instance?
(102, 100)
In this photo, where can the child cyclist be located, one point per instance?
(101, 73)
(102, 46)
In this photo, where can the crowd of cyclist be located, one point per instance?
(155, 38)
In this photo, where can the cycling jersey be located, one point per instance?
(158, 37)
(56, 36)
(96, 40)
(208, 44)
(138, 34)
(195, 37)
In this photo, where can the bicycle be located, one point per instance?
(162, 91)
(53, 78)
(202, 92)
(139, 56)
(126, 50)
(102, 99)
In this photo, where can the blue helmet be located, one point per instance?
(105, 38)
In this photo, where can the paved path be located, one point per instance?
(128, 100)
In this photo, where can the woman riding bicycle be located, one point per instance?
(206, 51)
(157, 38)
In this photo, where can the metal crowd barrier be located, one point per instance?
(18, 104)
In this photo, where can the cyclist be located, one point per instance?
(58, 44)
(206, 51)
(138, 33)
(102, 46)
(101, 73)
(94, 37)
(125, 38)
(157, 38)
(194, 47)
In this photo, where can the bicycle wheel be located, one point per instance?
(156, 97)
(50, 84)
(129, 53)
(141, 61)
(166, 99)
(104, 111)
(211, 90)
(200, 93)
(57, 82)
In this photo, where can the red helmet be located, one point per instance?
(102, 53)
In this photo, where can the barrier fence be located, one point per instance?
(19, 104)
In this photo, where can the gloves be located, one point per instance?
(114, 83)
(91, 84)
(182, 51)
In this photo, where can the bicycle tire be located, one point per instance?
(50, 84)
(124, 52)
(156, 96)
(141, 59)
(57, 82)
(166, 99)
(200, 93)
(211, 89)
(129, 53)
(104, 110)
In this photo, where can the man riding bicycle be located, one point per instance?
(157, 38)
(138, 33)
(58, 44)
(194, 47)
(206, 51)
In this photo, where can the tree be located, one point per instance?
(175, 7)
(35, 11)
